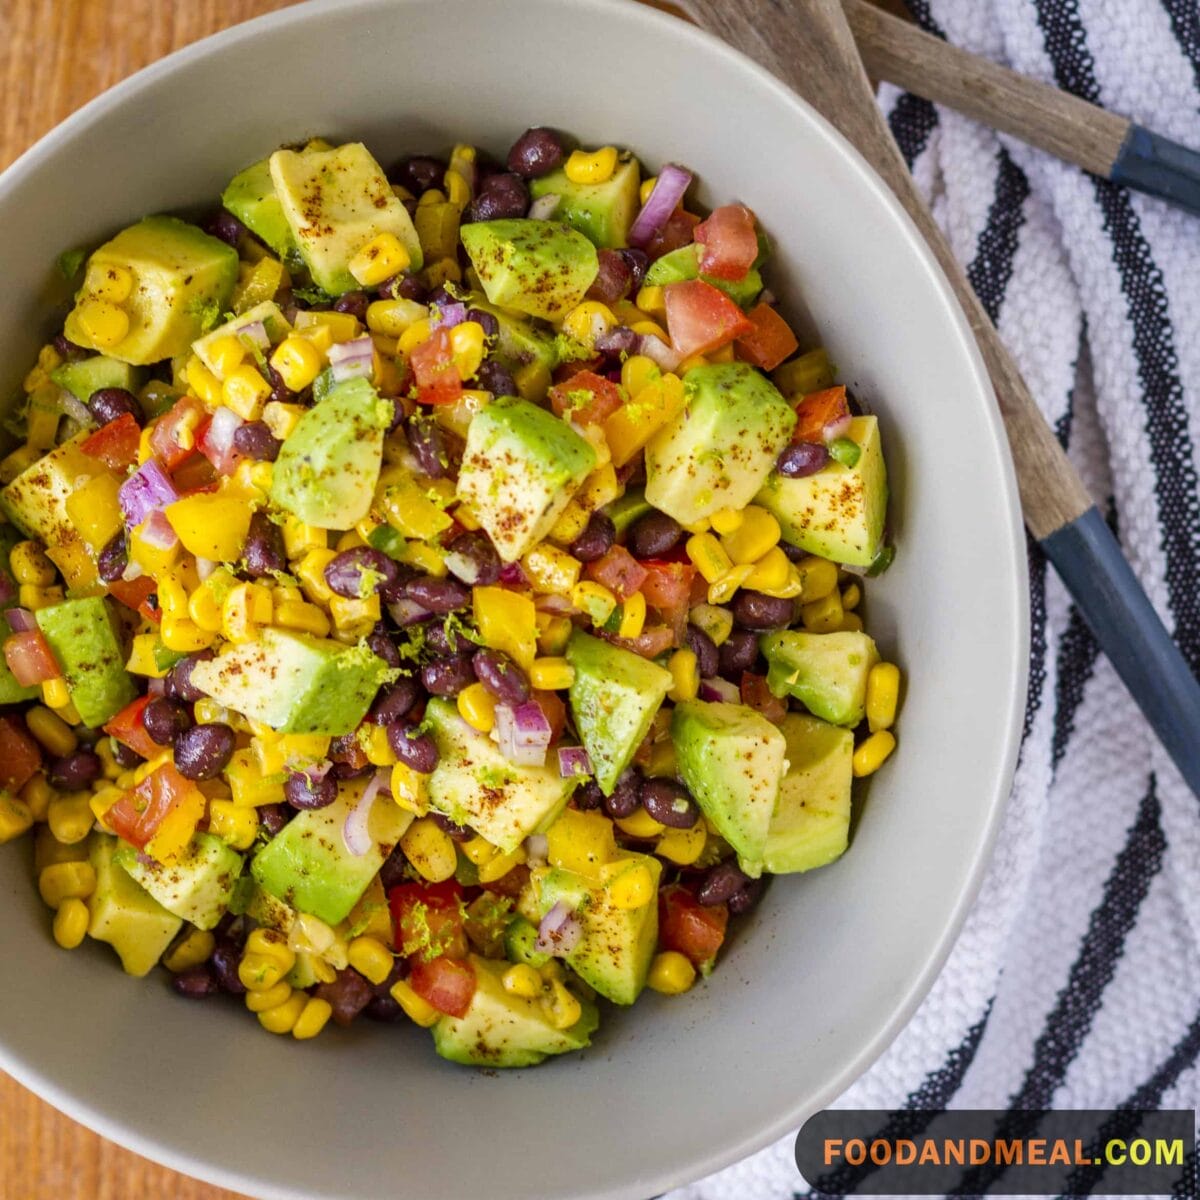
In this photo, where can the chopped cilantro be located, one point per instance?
(385, 538)
(69, 262)
(208, 312)
(312, 295)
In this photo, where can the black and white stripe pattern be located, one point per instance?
(1076, 980)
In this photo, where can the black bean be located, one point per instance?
(501, 676)
(803, 458)
(226, 957)
(303, 791)
(395, 701)
(613, 280)
(669, 803)
(355, 303)
(430, 445)
(394, 871)
(224, 225)
(196, 983)
(360, 570)
(416, 750)
(626, 797)
(179, 678)
(588, 796)
(596, 539)
(347, 995)
(442, 641)
(440, 596)
(345, 770)
(165, 718)
(654, 536)
(418, 173)
(384, 1008)
(475, 556)
(458, 833)
(738, 653)
(114, 558)
(74, 771)
(502, 197)
(255, 440)
(617, 341)
(746, 897)
(279, 390)
(491, 327)
(107, 404)
(708, 657)
(538, 151)
(123, 755)
(381, 644)
(264, 551)
(794, 553)
(721, 882)
(639, 263)
(273, 817)
(203, 751)
(756, 610)
(70, 351)
(496, 378)
(441, 297)
(404, 287)
(448, 676)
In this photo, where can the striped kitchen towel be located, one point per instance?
(1076, 980)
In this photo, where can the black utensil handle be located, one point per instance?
(1087, 556)
(1156, 165)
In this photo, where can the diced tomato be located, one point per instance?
(432, 363)
(173, 436)
(679, 230)
(135, 594)
(817, 410)
(197, 474)
(668, 585)
(586, 397)
(650, 643)
(576, 366)
(139, 813)
(446, 984)
(428, 919)
(129, 728)
(771, 341)
(30, 658)
(728, 243)
(701, 317)
(691, 928)
(20, 755)
(618, 571)
(757, 695)
(115, 444)
(556, 712)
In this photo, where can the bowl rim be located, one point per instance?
(742, 1143)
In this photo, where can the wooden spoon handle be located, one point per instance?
(809, 45)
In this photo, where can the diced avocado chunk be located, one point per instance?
(308, 865)
(183, 280)
(603, 212)
(11, 692)
(826, 672)
(614, 696)
(89, 375)
(519, 343)
(626, 509)
(719, 451)
(335, 202)
(543, 268)
(36, 503)
(838, 513)
(268, 313)
(124, 914)
(731, 758)
(84, 639)
(196, 886)
(520, 943)
(501, 1029)
(811, 825)
(251, 198)
(614, 951)
(329, 464)
(684, 263)
(520, 468)
(293, 682)
(474, 784)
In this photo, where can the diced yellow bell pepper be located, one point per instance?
(211, 525)
(581, 841)
(636, 421)
(177, 827)
(152, 559)
(507, 621)
(95, 511)
(411, 512)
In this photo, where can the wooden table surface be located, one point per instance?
(55, 55)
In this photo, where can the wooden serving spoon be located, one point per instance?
(809, 45)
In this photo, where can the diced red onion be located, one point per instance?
(356, 832)
(156, 687)
(158, 532)
(861, 572)
(318, 770)
(715, 690)
(20, 620)
(559, 931)
(512, 575)
(839, 427)
(449, 315)
(255, 334)
(673, 181)
(352, 360)
(523, 733)
(407, 612)
(205, 567)
(75, 409)
(224, 425)
(148, 490)
(463, 566)
(619, 340)
(572, 761)
(655, 349)
(766, 296)
(544, 207)
(560, 606)
(132, 571)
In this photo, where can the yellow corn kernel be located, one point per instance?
(246, 392)
(479, 850)
(281, 418)
(418, 332)
(354, 618)
(111, 283)
(30, 565)
(595, 600)
(101, 801)
(271, 944)
(56, 695)
(652, 299)
(724, 589)
(551, 570)
(52, 731)
(416, 1008)
(374, 742)
(109, 767)
(430, 850)
(646, 188)
(757, 533)
(172, 595)
(36, 795)
(871, 754)
(601, 487)
(533, 381)
(477, 707)
(883, 695)
(458, 191)
(682, 846)
(466, 345)
(202, 382)
(628, 887)
(226, 354)
(29, 595)
(300, 540)
(572, 521)
(104, 324)
(551, 674)
(310, 570)
(249, 787)
(641, 825)
(506, 621)
(522, 980)
(15, 818)
(308, 618)
(561, 1006)
(66, 881)
(442, 270)
(394, 318)
(824, 615)
(298, 362)
(194, 948)
(727, 520)
(273, 997)
(282, 1018)
(596, 167)
(246, 606)
(71, 923)
(410, 789)
(851, 597)
(708, 556)
(499, 866)
(208, 712)
(185, 635)
(370, 957)
(234, 824)
(588, 321)
(633, 616)
(581, 842)
(19, 460)
(671, 973)
(851, 623)
(771, 572)
(380, 259)
(685, 672)
(313, 1019)
(203, 607)
(328, 327)
(818, 577)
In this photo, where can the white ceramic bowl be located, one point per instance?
(833, 963)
